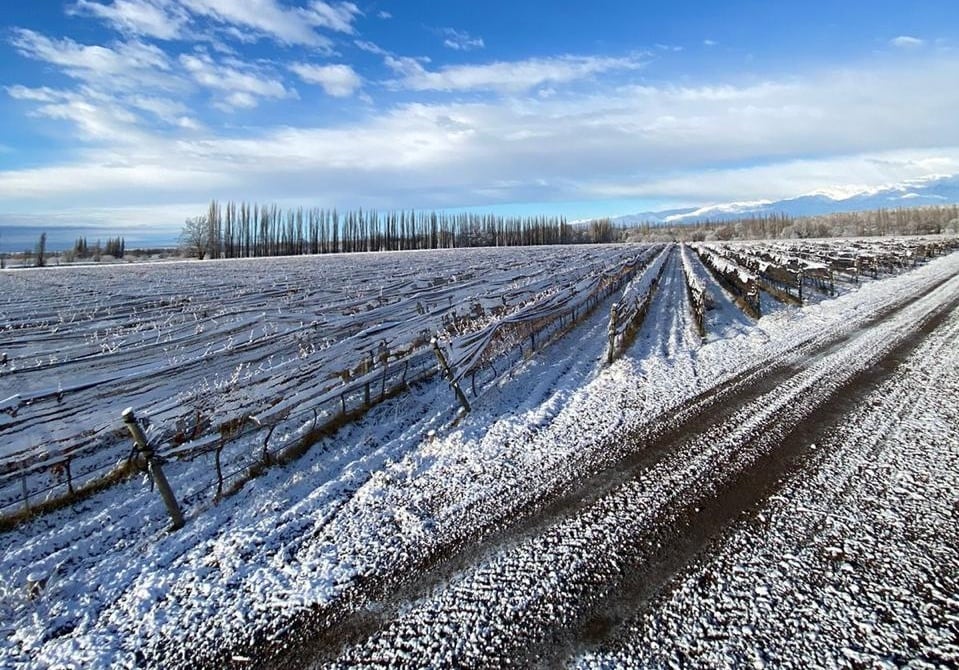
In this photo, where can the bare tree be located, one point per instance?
(42, 250)
(195, 236)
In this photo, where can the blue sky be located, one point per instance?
(126, 116)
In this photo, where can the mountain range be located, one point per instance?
(939, 190)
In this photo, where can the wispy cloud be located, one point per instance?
(628, 141)
(460, 40)
(264, 17)
(291, 26)
(483, 133)
(370, 47)
(98, 117)
(337, 17)
(244, 21)
(906, 42)
(513, 76)
(835, 175)
(41, 94)
(242, 84)
(129, 64)
(171, 112)
(339, 81)
(159, 19)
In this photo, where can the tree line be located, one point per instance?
(115, 246)
(927, 220)
(246, 230)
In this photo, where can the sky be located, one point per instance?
(127, 116)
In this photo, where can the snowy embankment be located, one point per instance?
(379, 501)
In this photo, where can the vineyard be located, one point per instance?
(240, 360)
(333, 426)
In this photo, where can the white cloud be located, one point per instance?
(263, 16)
(97, 116)
(102, 173)
(130, 64)
(339, 81)
(383, 14)
(512, 76)
(188, 123)
(237, 100)
(461, 40)
(243, 84)
(151, 18)
(42, 94)
(338, 17)
(906, 42)
(292, 26)
(710, 43)
(836, 176)
(808, 132)
(370, 47)
(164, 109)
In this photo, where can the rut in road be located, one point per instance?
(508, 608)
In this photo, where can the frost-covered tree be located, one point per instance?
(195, 236)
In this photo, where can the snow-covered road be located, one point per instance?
(852, 562)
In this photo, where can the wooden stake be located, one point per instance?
(154, 468)
(448, 374)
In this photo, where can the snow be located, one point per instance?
(405, 485)
(211, 343)
(852, 562)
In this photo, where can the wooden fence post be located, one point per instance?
(265, 454)
(367, 368)
(448, 374)
(613, 326)
(69, 474)
(219, 471)
(154, 468)
(23, 489)
(383, 354)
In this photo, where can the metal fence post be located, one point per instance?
(154, 468)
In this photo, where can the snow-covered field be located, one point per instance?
(415, 535)
(193, 346)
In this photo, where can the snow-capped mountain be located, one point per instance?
(930, 191)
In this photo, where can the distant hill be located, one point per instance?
(933, 191)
